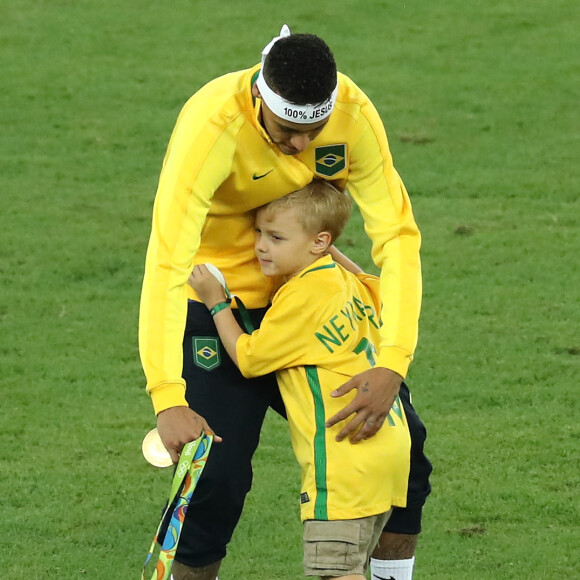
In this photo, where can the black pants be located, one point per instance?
(235, 408)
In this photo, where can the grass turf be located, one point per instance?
(479, 104)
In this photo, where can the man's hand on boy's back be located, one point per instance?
(177, 426)
(376, 392)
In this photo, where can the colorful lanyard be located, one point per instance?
(187, 473)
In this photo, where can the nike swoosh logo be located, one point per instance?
(256, 177)
(383, 578)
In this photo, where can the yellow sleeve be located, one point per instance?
(198, 160)
(385, 206)
(282, 340)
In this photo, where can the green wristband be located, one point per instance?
(219, 307)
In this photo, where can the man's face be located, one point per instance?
(290, 138)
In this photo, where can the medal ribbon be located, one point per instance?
(187, 473)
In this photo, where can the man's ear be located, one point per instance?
(256, 91)
(321, 243)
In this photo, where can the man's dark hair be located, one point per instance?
(301, 68)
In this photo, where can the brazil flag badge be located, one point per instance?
(330, 159)
(206, 352)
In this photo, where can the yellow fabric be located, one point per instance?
(211, 182)
(321, 318)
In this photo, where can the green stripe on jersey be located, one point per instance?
(325, 267)
(320, 505)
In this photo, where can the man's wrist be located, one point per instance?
(395, 359)
(168, 394)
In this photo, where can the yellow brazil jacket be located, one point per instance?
(220, 165)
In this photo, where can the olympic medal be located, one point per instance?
(154, 451)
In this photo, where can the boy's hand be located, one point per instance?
(207, 286)
(376, 392)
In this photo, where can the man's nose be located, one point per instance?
(300, 141)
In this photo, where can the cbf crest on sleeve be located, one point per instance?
(330, 159)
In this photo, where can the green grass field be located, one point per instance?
(480, 102)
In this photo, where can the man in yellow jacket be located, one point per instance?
(242, 140)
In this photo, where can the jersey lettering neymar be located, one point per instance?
(354, 311)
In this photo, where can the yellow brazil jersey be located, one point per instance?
(316, 340)
(220, 165)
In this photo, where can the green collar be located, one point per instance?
(252, 82)
(324, 267)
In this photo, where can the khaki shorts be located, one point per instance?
(341, 547)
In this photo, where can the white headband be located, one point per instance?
(284, 109)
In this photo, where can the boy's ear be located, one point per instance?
(255, 91)
(321, 243)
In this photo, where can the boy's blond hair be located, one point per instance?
(321, 207)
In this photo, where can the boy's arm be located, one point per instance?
(345, 262)
(229, 331)
(209, 289)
